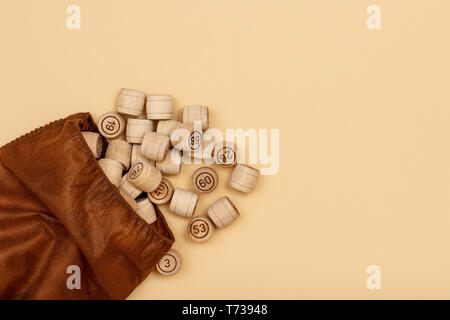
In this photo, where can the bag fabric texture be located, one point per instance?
(59, 212)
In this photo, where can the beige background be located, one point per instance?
(364, 119)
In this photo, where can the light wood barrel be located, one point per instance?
(119, 150)
(205, 179)
(200, 228)
(244, 178)
(136, 129)
(144, 176)
(225, 154)
(196, 113)
(183, 202)
(136, 155)
(130, 102)
(170, 263)
(165, 127)
(163, 193)
(159, 107)
(184, 136)
(111, 125)
(154, 146)
(223, 212)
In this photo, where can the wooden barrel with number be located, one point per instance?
(200, 228)
(163, 193)
(205, 179)
(170, 263)
(225, 154)
(111, 125)
(144, 176)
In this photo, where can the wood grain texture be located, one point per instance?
(130, 102)
(170, 263)
(183, 202)
(154, 146)
(185, 136)
(163, 193)
(136, 155)
(111, 125)
(200, 229)
(222, 212)
(165, 127)
(244, 178)
(196, 113)
(136, 129)
(144, 176)
(159, 107)
(225, 154)
(205, 179)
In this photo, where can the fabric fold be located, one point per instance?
(58, 209)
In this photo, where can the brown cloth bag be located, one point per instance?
(58, 209)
